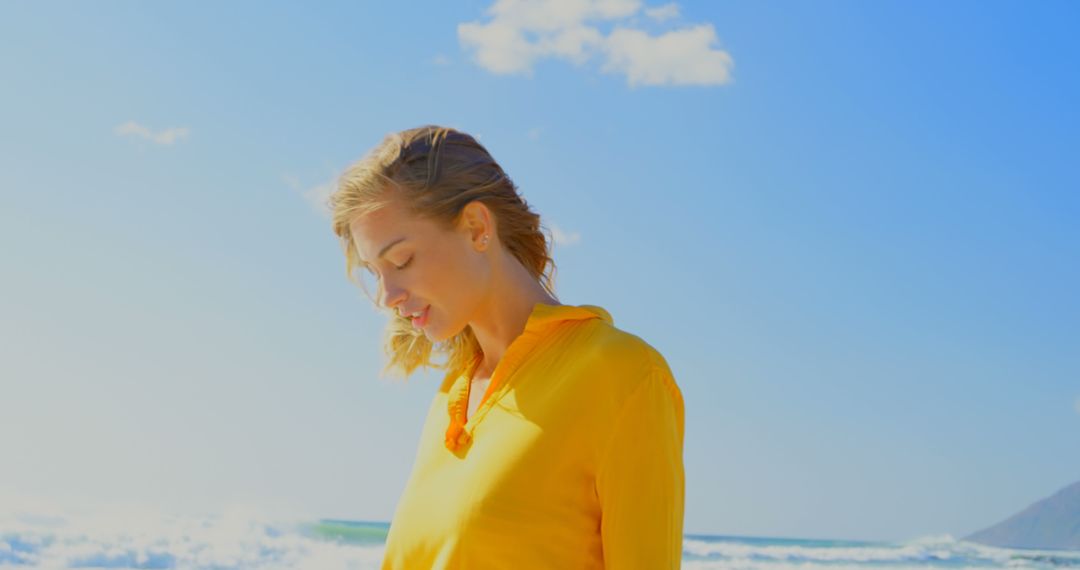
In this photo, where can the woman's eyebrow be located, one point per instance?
(386, 248)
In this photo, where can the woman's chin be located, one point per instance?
(436, 335)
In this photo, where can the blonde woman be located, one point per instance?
(555, 439)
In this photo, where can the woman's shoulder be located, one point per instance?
(622, 360)
(614, 343)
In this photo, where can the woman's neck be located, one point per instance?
(514, 295)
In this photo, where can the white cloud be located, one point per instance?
(663, 13)
(440, 59)
(504, 48)
(318, 197)
(521, 32)
(554, 15)
(167, 136)
(562, 237)
(680, 57)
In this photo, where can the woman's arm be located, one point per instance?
(640, 480)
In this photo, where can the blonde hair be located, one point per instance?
(434, 172)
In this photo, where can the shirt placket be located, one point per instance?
(460, 431)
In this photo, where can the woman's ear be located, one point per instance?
(476, 223)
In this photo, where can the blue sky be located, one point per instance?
(849, 226)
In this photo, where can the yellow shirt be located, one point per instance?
(573, 459)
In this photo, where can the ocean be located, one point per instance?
(243, 539)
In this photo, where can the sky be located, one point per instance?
(850, 227)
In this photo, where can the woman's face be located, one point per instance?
(424, 267)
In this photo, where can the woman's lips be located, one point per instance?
(422, 319)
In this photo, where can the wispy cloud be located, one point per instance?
(521, 32)
(165, 137)
(440, 59)
(663, 13)
(318, 197)
(562, 237)
(534, 133)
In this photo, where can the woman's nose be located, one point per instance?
(392, 295)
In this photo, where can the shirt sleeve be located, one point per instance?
(640, 480)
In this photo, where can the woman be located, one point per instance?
(555, 439)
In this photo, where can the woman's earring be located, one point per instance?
(485, 240)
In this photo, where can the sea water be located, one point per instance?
(242, 538)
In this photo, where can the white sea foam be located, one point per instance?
(44, 535)
(135, 537)
(921, 552)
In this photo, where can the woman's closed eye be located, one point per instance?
(406, 264)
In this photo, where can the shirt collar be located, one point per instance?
(544, 315)
(542, 318)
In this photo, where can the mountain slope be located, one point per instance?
(1053, 522)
